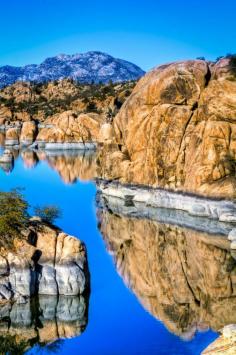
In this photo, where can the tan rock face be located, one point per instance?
(51, 266)
(28, 132)
(183, 277)
(106, 133)
(45, 262)
(177, 130)
(70, 127)
(5, 114)
(12, 135)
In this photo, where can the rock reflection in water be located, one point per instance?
(184, 277)
(71, 165)
(42, 321)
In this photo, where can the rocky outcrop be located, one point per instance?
(68, 127)
(66, 130)
(28, 133)
(184, 277)
(225, 344)
(12, 136)
(49, 263)
(177, 131)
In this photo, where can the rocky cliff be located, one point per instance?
(177, 131)
(184, 277)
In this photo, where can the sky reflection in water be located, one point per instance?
(117, 323)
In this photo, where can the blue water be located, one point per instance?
(117, 323)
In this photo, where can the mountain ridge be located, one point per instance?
(92, 66)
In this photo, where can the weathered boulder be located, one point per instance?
(177, 131)
(51, 263)
(12, 136)
(28, 132)
(5, 114)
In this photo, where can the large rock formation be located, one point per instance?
(177, 131)
(182, 276)
(49, 263)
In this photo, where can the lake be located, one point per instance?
(139, 303)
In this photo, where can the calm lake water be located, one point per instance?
(117, 322)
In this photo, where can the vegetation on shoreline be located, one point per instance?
(14, 216)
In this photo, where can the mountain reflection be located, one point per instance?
(43, 320)
(70, 165)
(184, 277)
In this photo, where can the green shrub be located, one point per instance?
(48, 213)
(13, 216)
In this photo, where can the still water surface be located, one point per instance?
(117, 322)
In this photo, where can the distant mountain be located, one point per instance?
(85, 67)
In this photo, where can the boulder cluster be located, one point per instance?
(66, 130)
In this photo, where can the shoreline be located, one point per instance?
(198, 206)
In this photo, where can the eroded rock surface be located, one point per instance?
(68, 127)
(49, 263)
(177, 131)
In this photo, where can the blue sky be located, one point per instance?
(146, 32)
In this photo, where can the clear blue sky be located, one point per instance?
(146, 32)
